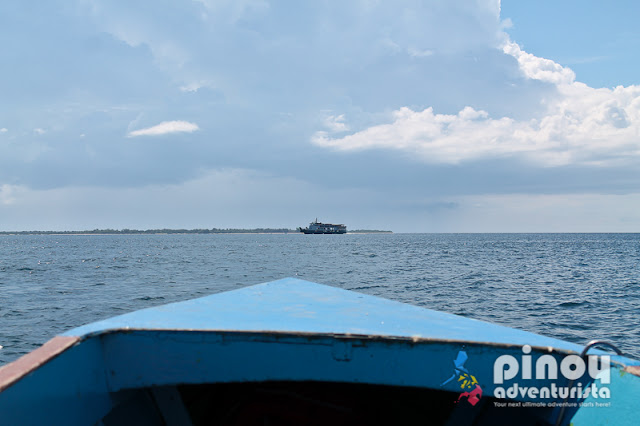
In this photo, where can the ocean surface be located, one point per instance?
(575, 287)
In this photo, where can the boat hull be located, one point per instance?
(288, 344)
(316, 227)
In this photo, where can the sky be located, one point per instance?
(411, 116)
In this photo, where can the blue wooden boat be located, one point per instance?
(296, 352)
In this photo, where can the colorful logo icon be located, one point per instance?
(468, 383)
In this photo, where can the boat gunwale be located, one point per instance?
(14, 371)
(353, 336)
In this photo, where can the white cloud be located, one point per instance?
(420, 53)
(581, 125)
(139, 27)
(8, 194)
(164, 128)
(537, 68)
(4, 130)
(39, 131)
(235, 9)
(506, 23)
(195, 86)
(336, 123)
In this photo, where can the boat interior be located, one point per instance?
(308, 403)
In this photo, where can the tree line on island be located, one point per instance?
(178, 231)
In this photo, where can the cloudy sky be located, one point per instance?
(414, 116)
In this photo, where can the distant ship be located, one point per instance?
(316, 227)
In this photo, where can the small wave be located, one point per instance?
(573, 304)
(366, 287)
(581, 326)
(146, 298)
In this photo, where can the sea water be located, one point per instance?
(575, 287)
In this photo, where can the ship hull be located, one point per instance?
(311, 231)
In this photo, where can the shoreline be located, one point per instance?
(248, 232)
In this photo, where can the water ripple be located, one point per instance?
(570, 286)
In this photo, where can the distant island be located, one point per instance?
(180, 231)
